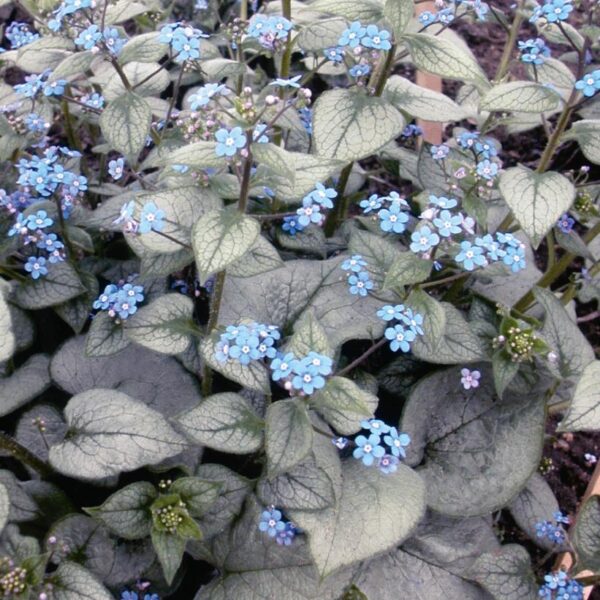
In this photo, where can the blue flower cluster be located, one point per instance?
(361, 44)
(151, 218)
(129, 595)
(394, 217)
(485, 153)
(589, 85)
(558, 586)
(405, 331)
(534, 51)
(448, 13)
(45, 175)
(66, 9)
(92, 38)
(359, 281)
(270, 32)
(552, 10)
(553, 531)
(273, 524)
(321, 198)
(184, 41)
(31, 230)
(247, 342)
(387, 452)
(19, 35)
(120, 300)
(305, 375)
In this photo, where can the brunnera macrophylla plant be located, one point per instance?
(259, 339)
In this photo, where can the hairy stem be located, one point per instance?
(362, 357)
(23, 455)
(504, 64)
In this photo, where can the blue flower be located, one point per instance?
(388, 464)
(397, 442)
(352, 36)
(49, 242)
(291, 225)
(508, 239)
(400, 338)
(134, 293)
(565, 223)
(413, 321)
(590, 83)
(282, 366)
(106, 298)
(271, 522)
(89, 37)
(447, 223)
(316, 363)
(293, 82)
(93, 101)
(355, 263)
(258, 134)
(373, 203)
(19, 35)
(559, 517)
(55, 88)
(115, 168)
(206, 93)
(360, 70)
(514, 258)
(423, 240)
(427, 18)
(128, 595)
(124, 305)
(229, 141)
(470, 256)
(114, 42)
(286, 537)
(557, 10)
(485, 147)
(323, 196)
(494, 250)
(391, 313)
(335, 54)
(151, 218)
(35, 123)
(309, 213)
(534, 51)
(442, 202)
(445, 16)
(392, 218)
(36, 266)
(306, 378)
(486, 169)
(368, 449)
(360, 284)
(33, 84)
(411, 131)
(222, 351)
(467, 139)
(245, 348)
(39, 220)
(439, 152)
(376, 426)
(340, 442)
(375, 38)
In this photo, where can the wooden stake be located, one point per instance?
(432, 132)
(565, 561)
